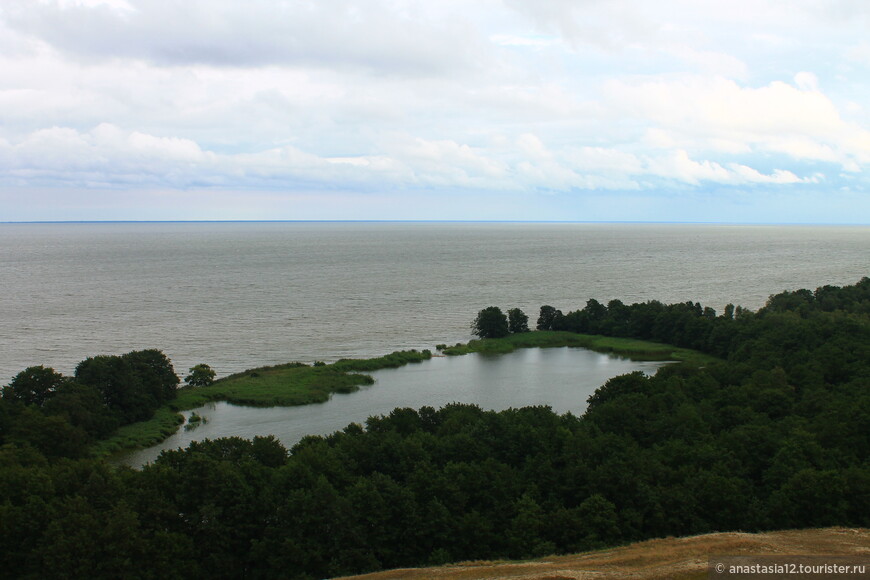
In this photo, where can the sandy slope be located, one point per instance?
(679, 558)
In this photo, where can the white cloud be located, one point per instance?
(807, 81)
(800, 122)
(119, 6)
(859, 53)
(533, 41)
(709, 62)
(488, 96)
(611, 25)
(679, 166)
(379, 36)
(108, 154)
(605, 160)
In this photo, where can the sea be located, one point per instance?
(238, 295)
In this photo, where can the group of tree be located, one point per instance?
(491, 322)
(62, 416)
(776, 436)
(731, 334)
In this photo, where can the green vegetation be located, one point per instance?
(34, 386)
(164, 423)
(194, 421)
(390, 361)
(201, 375)
(275, 386)
(132, 385)
(631, 348)
(490, 323)
(517, 321)
(64, 416)
(775, 435)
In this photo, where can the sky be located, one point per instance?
(747, 111)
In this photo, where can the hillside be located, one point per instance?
(671, 558)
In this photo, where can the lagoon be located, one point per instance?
(562, 378)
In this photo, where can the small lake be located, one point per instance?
(562, 378)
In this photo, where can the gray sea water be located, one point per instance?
(241, 295)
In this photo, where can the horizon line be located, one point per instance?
(432, 221)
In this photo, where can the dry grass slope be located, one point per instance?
(668, 558)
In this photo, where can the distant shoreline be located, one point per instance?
(373, 221)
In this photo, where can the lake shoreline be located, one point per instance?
(295, 384)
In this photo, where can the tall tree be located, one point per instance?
(155, 372)
(34, 385)
(517, 321)
(546, 317)
(201, 375)
(490, 323)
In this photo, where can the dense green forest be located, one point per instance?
(775, 436)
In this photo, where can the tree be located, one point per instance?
(600, 521)
(545, 319)
(52, 436)
(595, 314)
(490, 323)
(201, 375)
(82, 406)
(155, 372)
(121, 389)
(132, 385)
(517, 320)
(34, 385)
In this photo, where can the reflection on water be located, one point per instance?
(562, 378)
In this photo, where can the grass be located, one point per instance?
(628, 347)
(194, 421)
(661, 559)
(164, 423)
(277, 386)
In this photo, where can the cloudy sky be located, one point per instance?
(587, 110)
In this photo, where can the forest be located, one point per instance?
(776, 435)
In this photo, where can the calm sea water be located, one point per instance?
(240, 295)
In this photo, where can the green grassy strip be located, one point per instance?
(390, 361)
(164, 423)
(628, 347)
(278, 386)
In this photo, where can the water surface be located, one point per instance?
(562, 378)
(241, 295)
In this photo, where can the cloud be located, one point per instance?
(807, 81)
(859, 53)
(529, 41)
(558, 99)
(380, 36)
(679, 166)
(800, 122)
(104, 156)
(708, 61)
(611, 25)
(108, 156)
